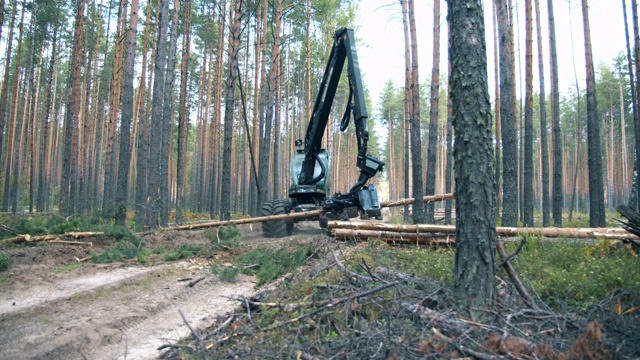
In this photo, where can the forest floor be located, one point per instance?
(347, 300)
(54, 307)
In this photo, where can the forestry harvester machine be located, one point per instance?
(310, 165)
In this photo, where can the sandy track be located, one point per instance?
(112, 312)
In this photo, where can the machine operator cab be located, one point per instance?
(319, 187)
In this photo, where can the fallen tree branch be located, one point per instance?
(192, 283)
(515, 279)
(326, 305)
(195, 335)
(464, 349)
(331, 304)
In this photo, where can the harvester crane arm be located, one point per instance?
(343, 48)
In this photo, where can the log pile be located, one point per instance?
(445, 234)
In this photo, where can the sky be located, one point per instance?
(380, 40)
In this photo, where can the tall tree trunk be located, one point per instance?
(126, 119)
(528, 119)
(596, 187)
(275, 54)
(259, 58)
(3, 97)
(143, 132)
(70, 157)
(407, 105)
(432, 151)
(108, 195)
(43, 179)
(544, 143)
(155, 163)
(265, 142)
(636, 94)
(416, 133)
(449, 143)
(556, 194)
(474, 271)
(507, 120)
(217, 115)
(167, 112)
(32, 131)
(497, 119)
(234, 44)
(183, 117)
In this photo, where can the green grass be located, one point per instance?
(68, 267)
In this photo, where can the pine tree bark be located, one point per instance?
(594, 153)
(432, 150)
(474, 270)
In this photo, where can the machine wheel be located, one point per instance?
(276, 228)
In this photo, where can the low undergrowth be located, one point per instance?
(381, 301)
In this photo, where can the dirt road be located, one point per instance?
(51, 308)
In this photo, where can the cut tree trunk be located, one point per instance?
(551, 232)
(56, 238)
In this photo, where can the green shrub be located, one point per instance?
(185, 251)
(270, 264)
(576, 274)
(228, 274)
(224, 237)
(124, 249)
(4, 261)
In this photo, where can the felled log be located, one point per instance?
(409, 201)
(30, 238)
(395, 237)
(305, 214)
(551, 232)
